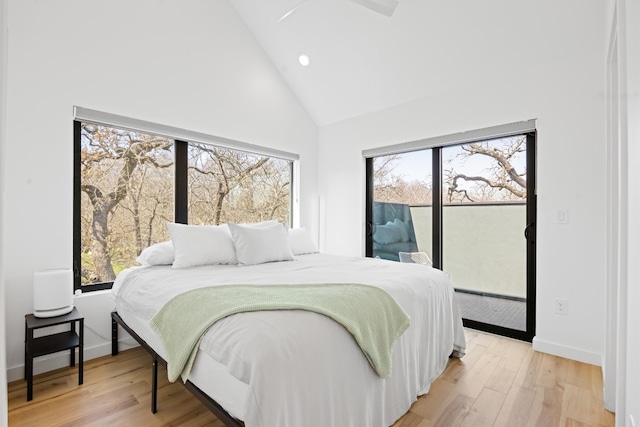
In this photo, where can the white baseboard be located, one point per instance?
(567, 352)
(61, 359)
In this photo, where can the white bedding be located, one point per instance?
(297, 368)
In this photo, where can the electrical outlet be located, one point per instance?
(562, 306)
(562, 216)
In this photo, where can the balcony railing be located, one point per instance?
(484, 249)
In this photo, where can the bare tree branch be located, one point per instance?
(453, 187)
(502, 158)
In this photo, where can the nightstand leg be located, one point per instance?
(72, 352)
(81, 353)
(26, 343)
(29, 364)
(154, 386)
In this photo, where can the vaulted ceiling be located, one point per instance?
(363, 61)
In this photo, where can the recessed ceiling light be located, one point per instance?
(304, 59)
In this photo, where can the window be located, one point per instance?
(128, 184)
(234, 186)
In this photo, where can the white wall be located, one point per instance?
(632, 122)
(622, 361)
(565, 94)
(616, 212)
(189, 64)
(3, 87)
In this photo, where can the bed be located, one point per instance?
(294, 367)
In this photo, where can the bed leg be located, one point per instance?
(114, 337)
(154, 386)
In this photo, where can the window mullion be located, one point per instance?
(436, 164)
(181, 183)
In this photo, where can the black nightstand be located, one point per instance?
(69, 340)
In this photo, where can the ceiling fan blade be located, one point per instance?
(385, 7)
(302, 4)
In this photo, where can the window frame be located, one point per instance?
(437, 144)
(181, 181)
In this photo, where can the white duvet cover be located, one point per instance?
(297, 368)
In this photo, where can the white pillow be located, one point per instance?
(266, 223)
(157, 254)
(200, 245)
(300, 242)
(257, 245)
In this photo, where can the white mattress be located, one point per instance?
(293, 368)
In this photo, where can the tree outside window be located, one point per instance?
(127, 195)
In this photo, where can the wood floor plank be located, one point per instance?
(455, 410)
(475, 380)
(546, 409)
(501, 379)
(500, 383)
(596, 381)
(577, 374)
(460, 367)
(516, 408)
(515, 355)
(579, 405)
(430, 406)
(485, 409)
(528, 372)
(606, 418)
(411, 419)
(568, 422)
(547, 372)
(499, 347)
(485, 339)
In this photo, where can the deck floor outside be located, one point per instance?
(493, 310)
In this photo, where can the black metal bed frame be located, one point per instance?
(208, 402)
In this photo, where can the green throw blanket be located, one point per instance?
(370, 314)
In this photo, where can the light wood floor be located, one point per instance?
(500, 382)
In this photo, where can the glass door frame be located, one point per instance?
(437, 242)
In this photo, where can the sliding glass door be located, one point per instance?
(471, 208)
